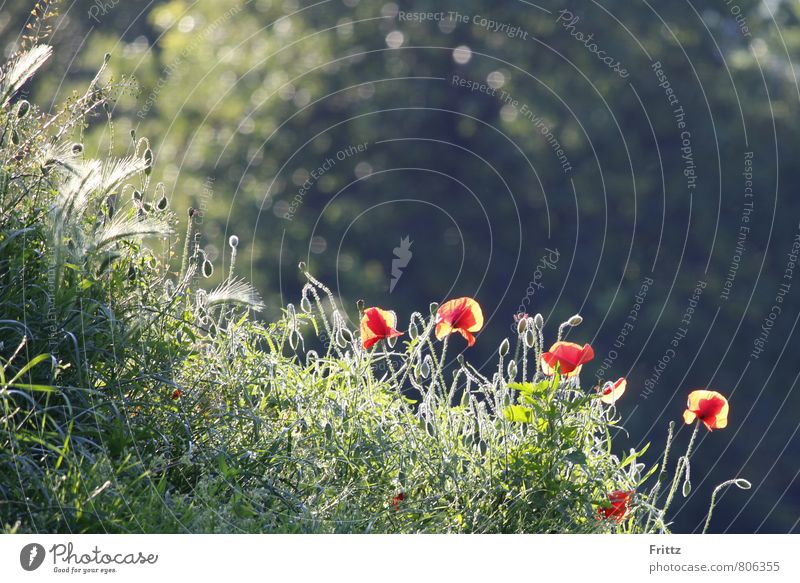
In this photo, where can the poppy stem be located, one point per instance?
(662, 474)
(524, 364)
(683, 462)
(738, 482)
(440, 368)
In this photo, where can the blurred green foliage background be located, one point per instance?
(348, 118)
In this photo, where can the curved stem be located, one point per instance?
(679, 468)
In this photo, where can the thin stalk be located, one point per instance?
(680, 467)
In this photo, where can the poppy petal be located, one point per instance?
(614, 391)
(468, 336)
(462, 315)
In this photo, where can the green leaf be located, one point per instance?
(518, 414)
(649, 473)
(633, 456)
(576, 457)
(524, 388)
(36, 360)
(30, 387)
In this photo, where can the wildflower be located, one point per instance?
(620, 505)
(709, 407)
(177, 394)
(613, 391)
(377, 324)
(569, 356)
(462, 315)
(397, 499)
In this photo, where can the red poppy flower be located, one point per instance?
(613, 391)
(709, 407)
(377, 324)
(397, 499)
(569, 356)
(620, 505)
(177, 394)
(462, 315)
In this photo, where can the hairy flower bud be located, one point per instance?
(512, 370)
(504, 346)
(23, 108)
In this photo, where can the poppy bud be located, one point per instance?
(522, 326)
(538, 321)
(301, 266)
(233, 241)
(512, 370)
(77, 148)
(504, 346)
(434, 308)
(425, 367)
(23, 108)
(208, 268)
(575, 320)
(530, 339)
(294, 338)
